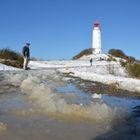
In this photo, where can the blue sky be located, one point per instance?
(59, 29)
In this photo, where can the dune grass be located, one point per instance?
(11, 58)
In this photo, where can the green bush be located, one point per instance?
(82, 53)
(117, 53)
(11, 58)
(134, 69)
(121, 54)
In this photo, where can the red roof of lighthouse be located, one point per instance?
(96, 24)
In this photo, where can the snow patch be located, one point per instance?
(7, 68)
(125, 83)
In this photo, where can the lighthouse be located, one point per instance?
(96, 39)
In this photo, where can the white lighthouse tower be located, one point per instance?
(96, 41)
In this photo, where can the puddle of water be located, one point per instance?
(26, 116)
(129, 130)
(73, 95)
(17, 123)
(123, 102)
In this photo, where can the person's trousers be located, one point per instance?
(25, 64)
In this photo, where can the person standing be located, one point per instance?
(26, 55)
(91, 62)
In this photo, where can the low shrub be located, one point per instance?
(8, 54)
(11, 58)
(82, 53)
(117, 53)
(134, 69)
(121, 54)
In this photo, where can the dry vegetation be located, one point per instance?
(134, 69)
(82, 53)
(11, 58)
(131, 64)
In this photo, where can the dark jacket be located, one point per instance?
(26, 51)
(91, 60)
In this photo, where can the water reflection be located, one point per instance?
(26, 104)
